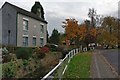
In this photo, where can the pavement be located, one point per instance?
(100, 67)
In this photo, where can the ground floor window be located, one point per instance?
(25, 41)
(41, 42)
(34, 41)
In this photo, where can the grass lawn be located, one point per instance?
(0, 70)
(79, 66)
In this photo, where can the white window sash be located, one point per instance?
(25, 19)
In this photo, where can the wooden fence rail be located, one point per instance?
(59, 70)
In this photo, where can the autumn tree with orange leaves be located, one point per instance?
(78, 33)
(71, 28)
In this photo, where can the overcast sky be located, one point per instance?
(57, 11)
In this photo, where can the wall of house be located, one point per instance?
(0, 26)
(34, 29)
(8, 23)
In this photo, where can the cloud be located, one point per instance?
(54, 22)
(57, 11)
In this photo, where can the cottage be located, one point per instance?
(22, 28)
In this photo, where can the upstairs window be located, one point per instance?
(42, 28)
(25, 24)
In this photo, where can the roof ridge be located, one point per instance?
(25, 12)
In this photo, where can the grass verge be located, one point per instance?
(0, 70)
(79, 66)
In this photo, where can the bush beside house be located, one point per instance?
(29, 62)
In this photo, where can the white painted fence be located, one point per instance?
(59, 70)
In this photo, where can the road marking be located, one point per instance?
(96, 65)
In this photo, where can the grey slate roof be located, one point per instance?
(27, 13)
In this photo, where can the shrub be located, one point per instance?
(11, 48)
(24, 53)
(38, 73)
(25, 63)
(9, 69)
(60, 48)
(5, 51)
(51, 60)
(40, 54)
(45, 49)
(6, 58)
(64, 52)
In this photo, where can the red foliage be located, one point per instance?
(45, 49)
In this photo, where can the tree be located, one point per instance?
(92, 14)
(82, 31)
(62, 38)
(55, 37)
(38, 9)
(95, 19)
(71, 30)
(79, 33)
(71, 27)
(87, 35)
(108, 31)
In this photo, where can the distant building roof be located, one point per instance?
(27, 13)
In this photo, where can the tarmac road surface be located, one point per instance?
(100, 67)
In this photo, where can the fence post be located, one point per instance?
(72, 53)
(86, 48)
(69, 57)
(81, 47)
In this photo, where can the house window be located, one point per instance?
(34, 41)
(25, 24)
(25, 41)
(42, 28)
(41, 42)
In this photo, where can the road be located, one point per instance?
(112, 57)
(104, 64)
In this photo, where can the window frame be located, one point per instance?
(42, 28)
(41, 42)
(34, 42)
(25, 41)
(25, 24)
